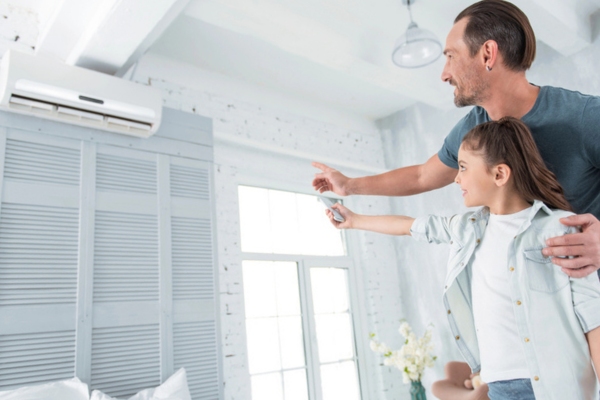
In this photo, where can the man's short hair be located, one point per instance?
(504, 23)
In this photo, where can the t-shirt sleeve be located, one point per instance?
(448, 154)
(591, 128)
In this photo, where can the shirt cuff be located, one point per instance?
(418, 229)
(588, 314)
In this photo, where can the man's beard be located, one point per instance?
(475, 97)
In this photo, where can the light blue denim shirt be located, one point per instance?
(552, 310)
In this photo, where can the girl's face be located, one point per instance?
(476, 182)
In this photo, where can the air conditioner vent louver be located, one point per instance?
(49, 89)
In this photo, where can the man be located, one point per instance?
(488, 50)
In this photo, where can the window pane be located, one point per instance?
(270, 288)
(334, 337)
(263, 345)
(292, 347)
(260, 289)
(288, 295)
(267, 387)
(255, 225)
(284, 222)
(275, 221)
(274, 328)
(294, 383)
(330, 290)
(339, 381)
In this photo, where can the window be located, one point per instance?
(297, 281)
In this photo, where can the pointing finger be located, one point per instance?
(321, 166)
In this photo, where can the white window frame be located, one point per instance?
(355, 290)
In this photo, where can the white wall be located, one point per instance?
(273, 147)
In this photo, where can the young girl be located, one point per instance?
(514, 315)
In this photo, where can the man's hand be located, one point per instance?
(584, 247)
(330, 179)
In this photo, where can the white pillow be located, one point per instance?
(70, 389)
(174, 388)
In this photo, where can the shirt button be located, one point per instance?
(536, 378)
(511, 269)
(478, 240)
(445, 287)
(461, 264)
(518, 302)
(526, 339)
(449, 312)
(457, 337)
(472, 219)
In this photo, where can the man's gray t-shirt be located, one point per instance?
(566, 128)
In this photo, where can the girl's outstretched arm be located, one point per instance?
(593, 338)
(387, 224)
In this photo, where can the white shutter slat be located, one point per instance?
(122, 364)
(195, 348)
(125, 257)
(125, 174)
(36, 358)
(23, 262)
(41, 162)
(189, 182)
(193, 269)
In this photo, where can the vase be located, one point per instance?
(417, 391)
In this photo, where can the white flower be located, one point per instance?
(379, 347)
(413, 357)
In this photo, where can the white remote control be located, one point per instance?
(328, 203)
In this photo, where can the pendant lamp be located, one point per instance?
(417, 47)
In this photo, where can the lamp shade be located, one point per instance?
(416, 48)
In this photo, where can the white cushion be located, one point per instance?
(174, 388)
(70, 389)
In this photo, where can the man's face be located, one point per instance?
(462, 71)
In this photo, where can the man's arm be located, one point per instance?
(399, 182)
(584, 247)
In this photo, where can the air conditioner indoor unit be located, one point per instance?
(47, 88)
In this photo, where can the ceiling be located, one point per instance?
(331, 52)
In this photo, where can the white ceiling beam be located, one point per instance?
(116, 40)
(559, 23)
(107, 36)
(70, 21)
(275, 24)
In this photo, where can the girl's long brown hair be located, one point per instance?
(509, 141)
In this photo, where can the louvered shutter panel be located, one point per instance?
(125, 355)
(38, 257)
(194, 333)
(107, 267)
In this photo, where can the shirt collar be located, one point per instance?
(484, 212)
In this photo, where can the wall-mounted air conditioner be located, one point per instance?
(46, 88)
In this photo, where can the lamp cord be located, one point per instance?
(409, 12)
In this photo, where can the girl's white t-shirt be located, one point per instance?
(500, 348)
